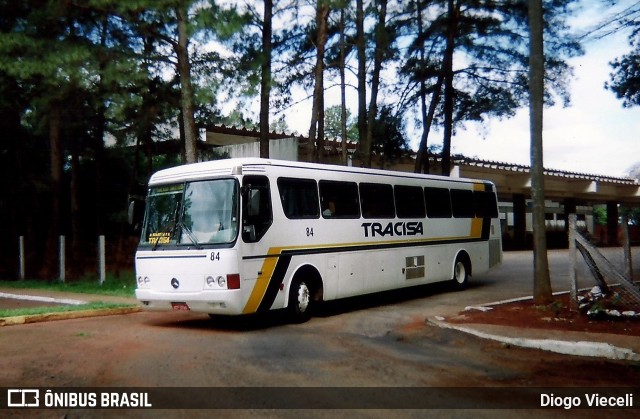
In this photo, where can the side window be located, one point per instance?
(339, 199)
(438, 202)
(462, 203)
(485, 204)
(257, 215)
(409, 202)
(376, 200)
(299, 198)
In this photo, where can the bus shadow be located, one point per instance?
(278, 318)
(380, 299)
(241, 323)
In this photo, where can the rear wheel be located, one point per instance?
(460, 274)
(300, 301)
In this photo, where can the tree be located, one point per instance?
(336, 122)
(475, 54)
(184, 71)
(421, 74)
(382, 45)
(44, 49)
(453, 16)
(364, 146)
(85, 71)
(389, 137)
(265, 78)
(316, 131)
(343, 85)
(625, 78)
(541, 281)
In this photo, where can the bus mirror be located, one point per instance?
(135, 212)
(131, 212)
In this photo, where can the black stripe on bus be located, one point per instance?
(275, 281)
(364, 247)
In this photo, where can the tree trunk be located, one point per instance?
(316, 131)
(100, 131)
(48, 269)
(541, 280)
(365, 149)
(76, 259)
(186, 89)
(422, 157)
(380, 47)
(448, 87)
(343, 90)
(265, 81)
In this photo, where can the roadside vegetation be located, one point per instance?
(60, 308)
(121, 286)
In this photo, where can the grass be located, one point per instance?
(122, 286)
(59, 309)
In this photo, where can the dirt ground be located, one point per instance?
(556, 316)
(14, 303)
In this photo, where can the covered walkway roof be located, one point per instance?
(516, 179)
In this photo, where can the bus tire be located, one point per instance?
(461, 270)
(300, 301)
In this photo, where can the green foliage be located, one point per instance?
(389, 138)
(120, 286)
(625, 78)
(108, 68)
(333, 123)
(600, 215)
(492, 37)
(60, 309)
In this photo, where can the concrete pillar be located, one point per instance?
(569, 208)
(519, 221)
(612, 223)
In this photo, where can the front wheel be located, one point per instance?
(460, 275)
(300, 301)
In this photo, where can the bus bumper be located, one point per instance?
(213, 302)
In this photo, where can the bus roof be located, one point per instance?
(236, 166)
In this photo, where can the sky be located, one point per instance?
(593, 135)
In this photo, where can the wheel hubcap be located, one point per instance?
(460, 272)
(303, 297)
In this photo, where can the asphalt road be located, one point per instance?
(379, 340)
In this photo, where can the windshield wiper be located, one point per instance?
(189, 234)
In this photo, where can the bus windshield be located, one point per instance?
(193, 213)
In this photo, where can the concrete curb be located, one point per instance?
(579, 348)
(39, 298)
(66, 315)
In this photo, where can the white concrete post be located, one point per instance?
(101, 260)
(61, 258)
(21, 251)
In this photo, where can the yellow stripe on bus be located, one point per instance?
(260, 288)
(476, 228)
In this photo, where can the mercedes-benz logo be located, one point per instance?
(175, 283)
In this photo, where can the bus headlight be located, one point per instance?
(222, 282)
(210, 281)
(143, 281)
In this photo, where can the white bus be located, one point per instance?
(242, 236)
